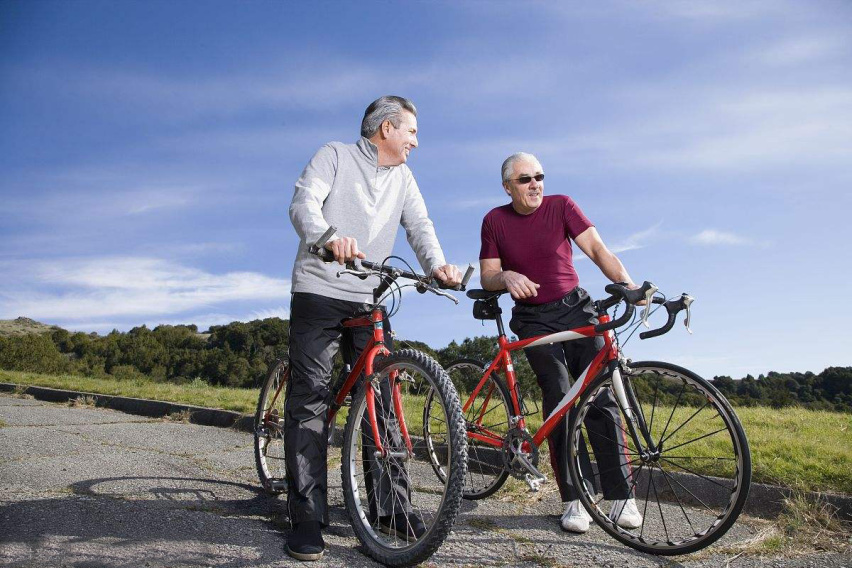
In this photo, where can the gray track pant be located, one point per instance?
(554, 366)
(315, 336)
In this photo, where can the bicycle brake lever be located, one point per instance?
(687, 301)
(444, 294)
(363, 275)
(649, 296)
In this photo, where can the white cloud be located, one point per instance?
(799, 50)
(636, 240)
(114, 287)
(714, 237)
(631, 242)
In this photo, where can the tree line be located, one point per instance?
(239, 355)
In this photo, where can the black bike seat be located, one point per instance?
(484, 294)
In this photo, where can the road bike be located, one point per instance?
(685, 451)
(388, 421)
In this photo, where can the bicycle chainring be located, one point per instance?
(516, 444)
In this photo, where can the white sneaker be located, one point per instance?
(629, 516)
(575, 518)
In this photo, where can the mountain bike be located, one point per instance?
(686, 454)
(388, 421)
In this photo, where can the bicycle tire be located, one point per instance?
(269, 429)
(702, 449)
(486, 472)
(435, 500)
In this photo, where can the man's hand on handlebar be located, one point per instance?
(632, 286)
(344, 249)
(449, 275)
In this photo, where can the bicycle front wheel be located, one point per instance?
(689, 476)
(402, 502)
(487, 420)
(269, 429)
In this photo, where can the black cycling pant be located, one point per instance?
(315, 336)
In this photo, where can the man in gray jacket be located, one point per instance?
(366, 191)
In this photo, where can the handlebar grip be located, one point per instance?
(673, 307)
(318, 248)
(468, 273)
(620, 292)
(660, 331)
(628, 313)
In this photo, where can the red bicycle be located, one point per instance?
(401, 399)
(686, 453)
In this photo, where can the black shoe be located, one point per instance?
(402, 525)
(306, 541)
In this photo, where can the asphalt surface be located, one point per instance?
(89, 487)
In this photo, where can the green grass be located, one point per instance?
(198, 394)
(805, 449)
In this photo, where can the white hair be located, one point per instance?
(509, 163)
(389, 107)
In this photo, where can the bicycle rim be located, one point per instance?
(487, 423)
(691, 490)
(403, 482)
(269, 430)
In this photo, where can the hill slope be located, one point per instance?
(23, 326)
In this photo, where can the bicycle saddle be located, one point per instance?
(485, 294)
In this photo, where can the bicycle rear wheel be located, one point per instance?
(425, 480)
(269, 429)
(487, 422)
(691, 486)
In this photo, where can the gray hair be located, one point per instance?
(510, 162)
(385, 108)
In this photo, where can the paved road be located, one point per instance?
(89, 487)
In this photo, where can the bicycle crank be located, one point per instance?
(520, 458)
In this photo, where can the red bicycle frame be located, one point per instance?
(503, 361)
(374, 347)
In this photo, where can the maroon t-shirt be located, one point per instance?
(537, 245)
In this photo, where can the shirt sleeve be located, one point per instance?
(575, 221)
(312, 188)
(419, 229)
(489, 248)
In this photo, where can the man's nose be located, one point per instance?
(414, 141)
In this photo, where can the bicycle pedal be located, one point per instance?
(534, 482)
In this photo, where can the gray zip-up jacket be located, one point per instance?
(343, 186)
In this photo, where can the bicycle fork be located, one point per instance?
(635, 419)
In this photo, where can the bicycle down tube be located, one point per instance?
(503, 361)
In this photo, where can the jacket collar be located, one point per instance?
(369, 150)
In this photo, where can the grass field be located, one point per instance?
(803, 449)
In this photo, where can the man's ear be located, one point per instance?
(385, 128)
(506, 188)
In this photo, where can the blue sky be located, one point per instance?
(148, 152)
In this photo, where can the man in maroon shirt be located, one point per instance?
(526, 249)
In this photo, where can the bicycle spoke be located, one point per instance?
(677, 402)
(679, 503)
(700, 458)
(645, 510)
(694, 414)
(659, 505)
(617, 467)
(653, 407)
(698, 438)
(704, 477)
(693, 495)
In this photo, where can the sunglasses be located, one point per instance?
(523, 180)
